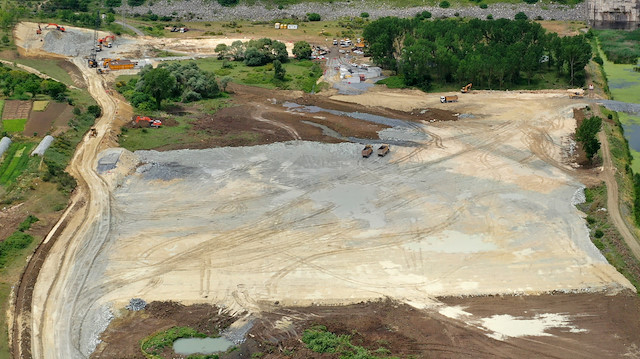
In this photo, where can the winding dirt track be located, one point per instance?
(55, 295)
(613, 204)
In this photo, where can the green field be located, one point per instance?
(14, 125)
(1, 106)
(15, 161)
(135, 139)
(301, 75)
(50, 68)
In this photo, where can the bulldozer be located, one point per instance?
(467, 88)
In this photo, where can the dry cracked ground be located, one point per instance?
(475, 207)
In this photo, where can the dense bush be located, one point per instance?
(228, 2)
(16, 84)
(620, 46)
(483, 6)
(444, 4)
(487, 53)
(15, 242)
(521, 16)
(313, 16)
(364, 14)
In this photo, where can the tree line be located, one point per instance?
(489, 53)
(23, 85)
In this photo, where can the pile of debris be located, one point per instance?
(136, 304)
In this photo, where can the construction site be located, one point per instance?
(456, 236)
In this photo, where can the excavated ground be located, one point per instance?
(473, 207)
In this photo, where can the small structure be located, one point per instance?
(277, 26)
(121, 65)
(43, 145)
(5, 142)
(292, 27)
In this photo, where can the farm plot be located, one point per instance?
(15, 162)
(14, 110)
(14, 125)
(40, 122)
(40, 105)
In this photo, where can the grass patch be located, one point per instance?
(134, 139)
(1, 106)
(15, 162)
(50, 68)
(320, 340)
(14, 125)
(623, 82)
(300, 75)
(606, 237)
(40, 105)
(393, 82)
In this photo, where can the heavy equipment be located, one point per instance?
(58, 27)
(576, 93)
(445, 99)
(383, 150)
(466, 88)
(367, 151)
(100, 71)
(93, 132)
(152, 123)
(39, 31)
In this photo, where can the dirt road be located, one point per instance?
(56, 298)
(613, 202)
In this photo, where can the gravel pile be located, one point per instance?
(70, 43)
(136, 304)
(211, 10)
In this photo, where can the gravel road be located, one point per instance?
(212, 11)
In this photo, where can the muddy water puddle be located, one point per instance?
(188, 346)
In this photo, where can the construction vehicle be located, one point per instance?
(466, 88)
(58, 27)
(93, 132)
(91, 60)
(576, 93)
(106, 42)
(39, 31)
(363, 78)
(445, 99)
(367, 151)
(383, 150)
(152, 123)
(100, 71)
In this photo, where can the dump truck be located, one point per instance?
(466, 88)
(367, 151)
(445, 99)
(383, 150)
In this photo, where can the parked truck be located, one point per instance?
(445, 99)
(383, 150)
(367, 151)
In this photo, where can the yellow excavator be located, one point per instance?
(466, 88)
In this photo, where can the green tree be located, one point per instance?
(576, 52)
(53, 88)
(222, 51)
(278, 70)
(301, 50)
(159, 83)
(279, 51)
(587, 135)
(224, 82)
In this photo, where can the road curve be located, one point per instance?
(613, 204)
(56, 325)
(132, 28)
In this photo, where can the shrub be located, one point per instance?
(134, 3)
(228, 2)
(531, 1)
(483, 6)
(599, 61)
(26, 224)
(445, 4)
(521, 16)
(364, 14)
(95, 110)
(489, 17)
(599, 233)
(313, 16)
